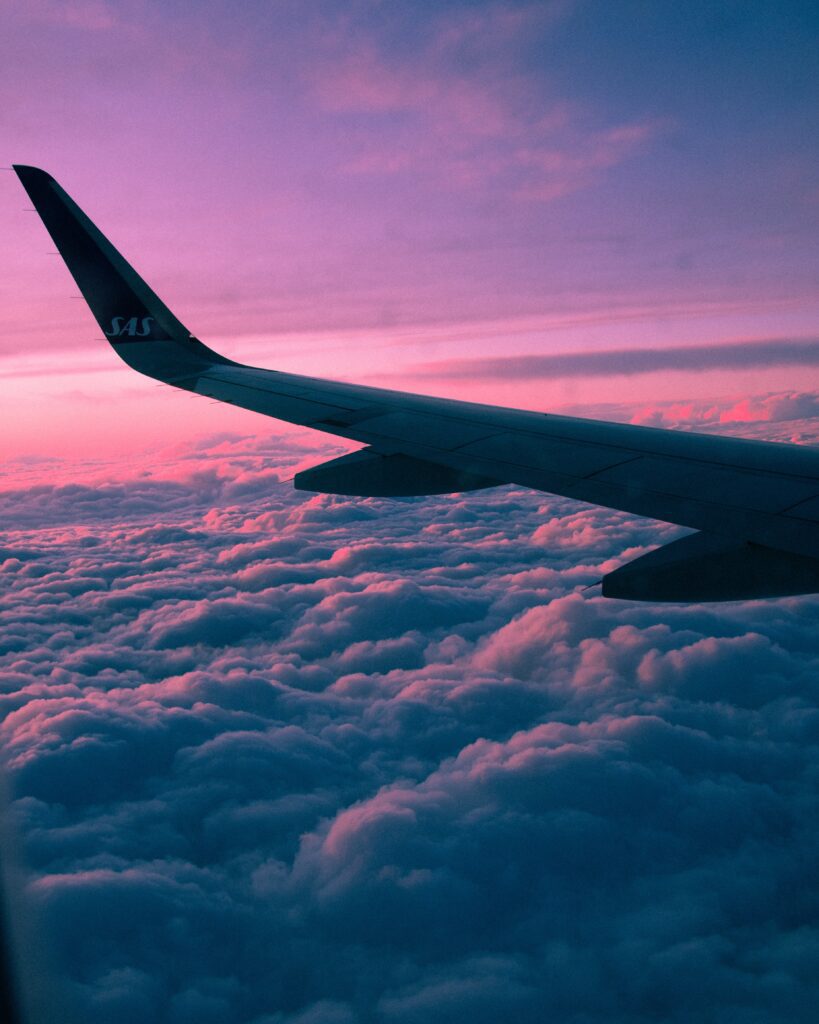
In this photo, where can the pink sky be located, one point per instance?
(307, 758)
(349, 191)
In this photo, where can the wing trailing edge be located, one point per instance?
(704, 567)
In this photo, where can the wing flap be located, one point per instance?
(371, 474)
(705, 568)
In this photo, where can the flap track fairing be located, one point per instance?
(370, 474)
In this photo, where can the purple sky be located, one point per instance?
(290, 759)
(363, 189)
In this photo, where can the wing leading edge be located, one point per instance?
(755, 503)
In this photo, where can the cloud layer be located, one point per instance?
(282, 759)
(630, 361)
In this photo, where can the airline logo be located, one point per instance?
(133, 327)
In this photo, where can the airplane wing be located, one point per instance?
(754, 504)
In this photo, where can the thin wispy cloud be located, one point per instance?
(630, 361)
(459, 108)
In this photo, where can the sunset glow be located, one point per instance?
(372, 192)
(288, 758)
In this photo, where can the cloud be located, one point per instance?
(460, 107)
(281, 759)
(85, 15)
(630, 361)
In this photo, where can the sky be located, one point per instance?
(382, 191)
(277, 758)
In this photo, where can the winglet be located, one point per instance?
(129, 312)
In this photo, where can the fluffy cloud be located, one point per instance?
(313, 760)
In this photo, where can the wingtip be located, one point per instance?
(27, 173)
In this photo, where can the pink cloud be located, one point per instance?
(476, 127)
(88, 15)
(394, 737)
(763, 409)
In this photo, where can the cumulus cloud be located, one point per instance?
(763, 409)
(778, 416)
(281, 759)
